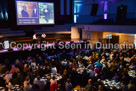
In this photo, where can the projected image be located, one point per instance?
(46, 13)
(27, 9)
(32, 13)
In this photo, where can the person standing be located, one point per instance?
(24, 12)
(89, 86)
(34, 38)
(43, 36)
(53, 84)
(46, 13)
(68, 85)
(35, 13)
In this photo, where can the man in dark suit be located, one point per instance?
(24, 12)
(46, 13)
(34, 14)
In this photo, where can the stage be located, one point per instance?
(23, 46)
(50, 38)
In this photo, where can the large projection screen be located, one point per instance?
(34, 13)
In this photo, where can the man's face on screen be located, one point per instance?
(24, 7)
(34, 6)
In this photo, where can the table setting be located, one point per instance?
(132, 73)
(109, 84)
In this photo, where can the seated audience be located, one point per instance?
(63, 70)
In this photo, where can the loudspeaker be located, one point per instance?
(94, 9)
(121, 12)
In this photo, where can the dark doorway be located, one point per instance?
(94, 10)
(115, 39)
(80, 32)
(121, 12)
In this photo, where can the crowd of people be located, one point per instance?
(76, 67)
